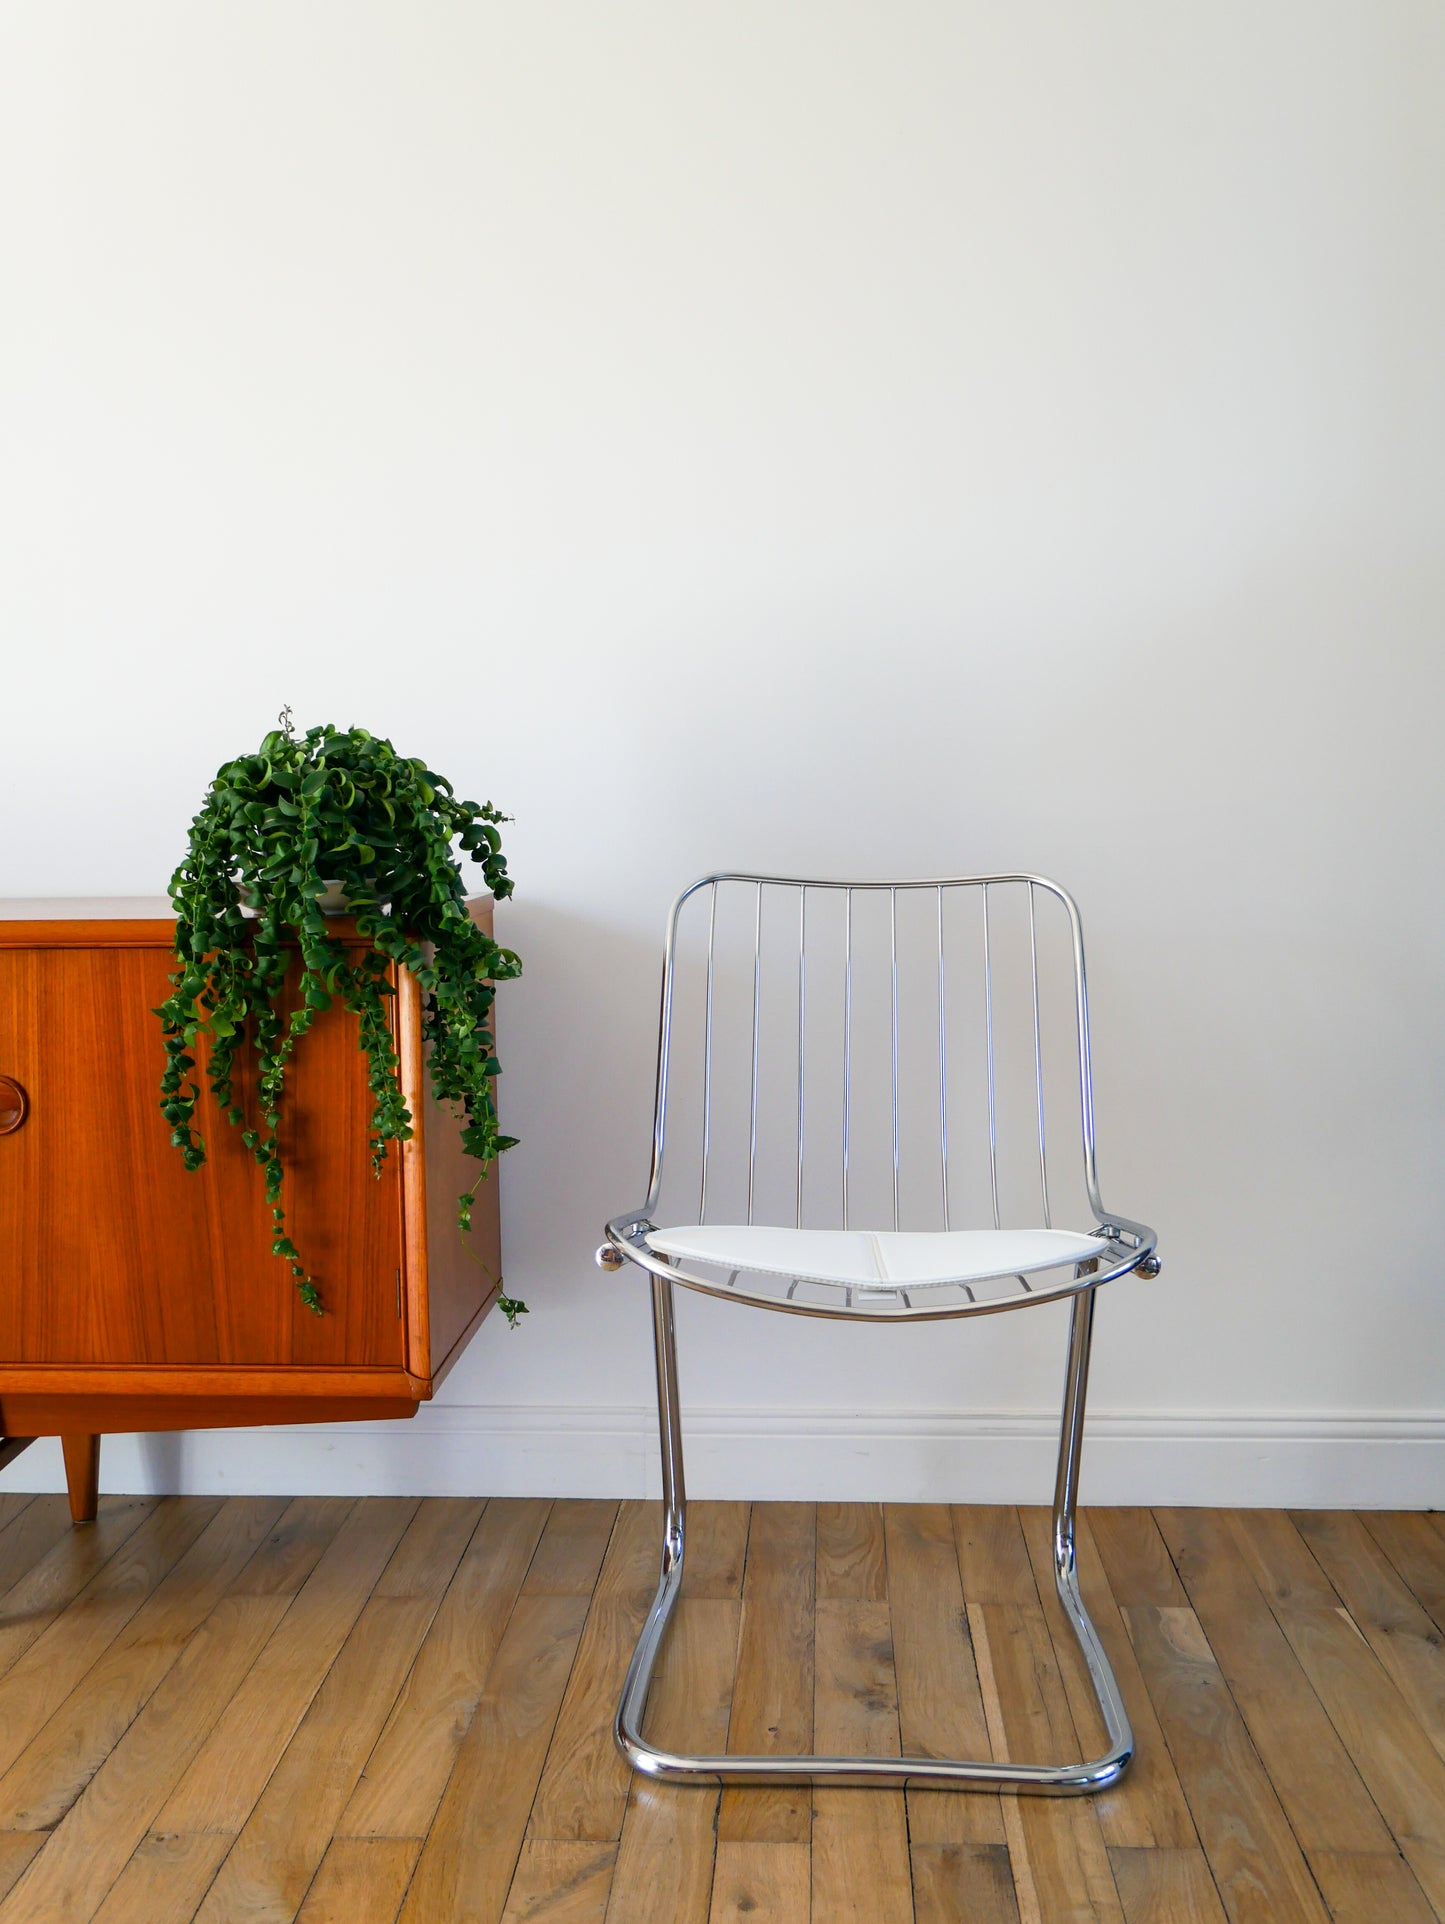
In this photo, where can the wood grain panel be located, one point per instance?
(717, 1547)
(665, 1859)
(940, 1705)
(861, 1870)
(158, 1303)
(61, 1758)
(570, 1553)
(89, 1848)
(1253, 1855)
(560, 1883)
(1361, 1889)
(1056, 1844)
(1149, 1809)
(1396, 1627)
(957, 1881)
(454, 1675)
(62, 1568)
(166, 1878)
(993, 1558)
(1417, 1550)
(32, 1532)
(772, 1706)
(850, 1552)
(362, 1880)
(761, 1884)
(468, 1858)
(583, 1792)
(272, 1862)
(17, 1847)
(163, 1266)
(1166, 1887)
(406, 1773)
(221, 1788)
(1310, 1768)
(122, 1398)
(1401, 1768)
(35, 1686)
(1137, 1558)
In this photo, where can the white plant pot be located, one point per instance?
(331, 901)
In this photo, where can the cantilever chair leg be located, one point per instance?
(917, 1773)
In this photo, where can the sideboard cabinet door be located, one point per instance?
(137, 1295)
(112, 1252)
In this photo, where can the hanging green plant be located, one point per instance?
(283, 831)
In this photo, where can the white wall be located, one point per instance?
(841, 437)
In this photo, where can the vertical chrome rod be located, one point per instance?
(1066, 1498)
(942, 1065)
(1071, 1434)
(802, 1015)
(753, 1097)
(707, 1060)
(847, 1036)
(669, 1410)
(1086, 1066)
(627, 1726)
(988, 1015)
(893, 966)
(1039, 1064)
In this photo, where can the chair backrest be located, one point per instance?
(874, 1054)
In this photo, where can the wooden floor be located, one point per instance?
(351, 1712)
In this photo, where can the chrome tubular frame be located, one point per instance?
(1124, 1246)
(916, 1773)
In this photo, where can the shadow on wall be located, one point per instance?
(577, 1038)
(163, 1461)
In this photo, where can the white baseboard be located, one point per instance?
(1314, 1459)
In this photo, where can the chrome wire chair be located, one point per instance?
(880, 1019)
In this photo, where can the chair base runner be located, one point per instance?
(913, 1773)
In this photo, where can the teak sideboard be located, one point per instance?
(137, 1295)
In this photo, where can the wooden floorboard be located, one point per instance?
(940, 1703)
(166, 1876)
(860, 1845)
(1382, 1731)
(45, 1562)
(1396, 1626)
(1149, 1811)
(39, 1682)
(59, 1761)
(1322, 1793)
(772, 1696)
(1416, 1548)
(407, 1771)
(399, 1711)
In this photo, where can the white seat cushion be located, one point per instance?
(880, 1258)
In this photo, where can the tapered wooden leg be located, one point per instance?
(82, 1476)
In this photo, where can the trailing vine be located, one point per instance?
(277, 829)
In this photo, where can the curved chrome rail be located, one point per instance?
(1124, 1247)
(921, 1773)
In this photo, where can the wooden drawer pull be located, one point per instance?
(14, 1105)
